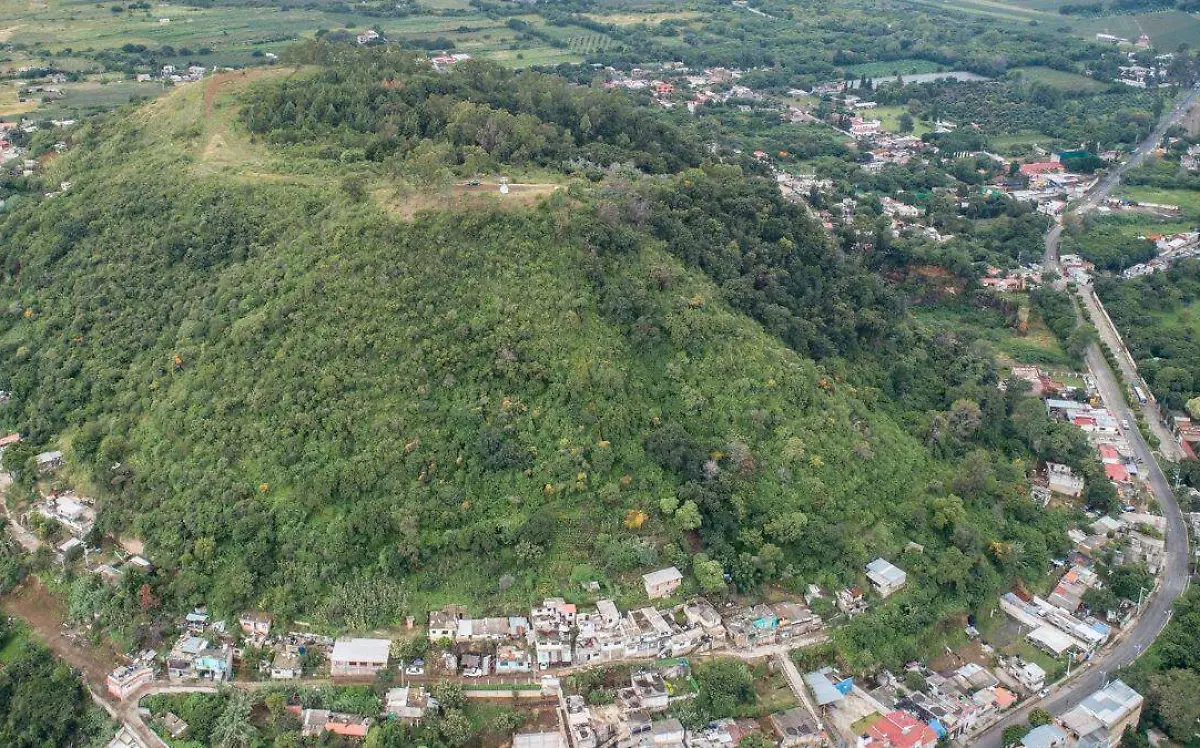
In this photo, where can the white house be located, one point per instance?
(885, 577)
(662, 583)
(359, 657)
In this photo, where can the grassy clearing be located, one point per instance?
(10, 103)
(1167, 29)
(894, 67)
(1036, 345)
(1187, 200)
(1004, 11)
(1019, 141)
(648, 18)
(890, 117)
(1060, 79)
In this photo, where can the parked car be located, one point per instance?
(416, 667)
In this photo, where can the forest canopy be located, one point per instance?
(304, 403)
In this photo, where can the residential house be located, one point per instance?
(539, 740)
(193, 658)
(795, 728)
(795, 620)
(1102, 717)
(126, 679)
(579, 723)
(317, 721)
(600, 637)
(753, 626)
(885, 577)
(898, 730)
(646, 633)
(1063, 481)
(1030, 675)
(359, 657)
(408, 703)
(550, 632)
(512, 659)
(702, 613)
(851, 601)
(255, 624)
(286, 665)
(647, 691)
(667, 733)
(443, 624)
(175, 726)
(662, 583)
(1043, 736)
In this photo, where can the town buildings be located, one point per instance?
(662, 583)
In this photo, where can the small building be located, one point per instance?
(539, 740)
(1031, 676)
(795, 728)
(359, 658)
(255, 624)
(1063, 481)
(126, 679)
(650, 690)
(174, 726)
(667, 733)
(317, 721)
(1043, 736)
(898, 730)
(662, 583)
(1052, 641)
(885, 577)
(408, 703)
(512, 659)
(1101, 718)
(286, 665)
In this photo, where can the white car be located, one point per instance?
(1124, 423)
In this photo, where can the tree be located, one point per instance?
(1176, 697)
(724, 686)
(687, 516)
(914, 681)
(1012, 735)
(455, 728)
(1039, 717)
(906, 122)
(233, 728)
(709, 573)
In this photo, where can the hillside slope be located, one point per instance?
(303, 402)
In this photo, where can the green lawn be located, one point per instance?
(1166, 29)
(893, 67)
(1187, 200)
(1060, 79)
(890, 117)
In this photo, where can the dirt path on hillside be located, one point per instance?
(42, 612)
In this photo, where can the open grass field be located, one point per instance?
(1167, 29)
(890, 117)
(1187, 200)
(1060, 79)
(1009, 11)
(649, 18)
(1037, 345)
(893, 67)
(10, 103)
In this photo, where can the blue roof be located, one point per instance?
(825, 692)
(937, 727)
(844, 686)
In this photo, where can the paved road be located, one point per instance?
(1174, 577)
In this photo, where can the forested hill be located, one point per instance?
(303, 396)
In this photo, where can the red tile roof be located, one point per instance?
(1042, 167)
(902, 730)
(1116, 472)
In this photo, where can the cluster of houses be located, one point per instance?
(173, 75)
(1171, 248)
(1098, 721)
(557, 633)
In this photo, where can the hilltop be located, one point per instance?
(292, 348)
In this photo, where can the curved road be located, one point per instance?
(1174, 577)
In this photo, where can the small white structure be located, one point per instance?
(662, 583)
(359, 657)
(1031, 676)
(886, 577)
